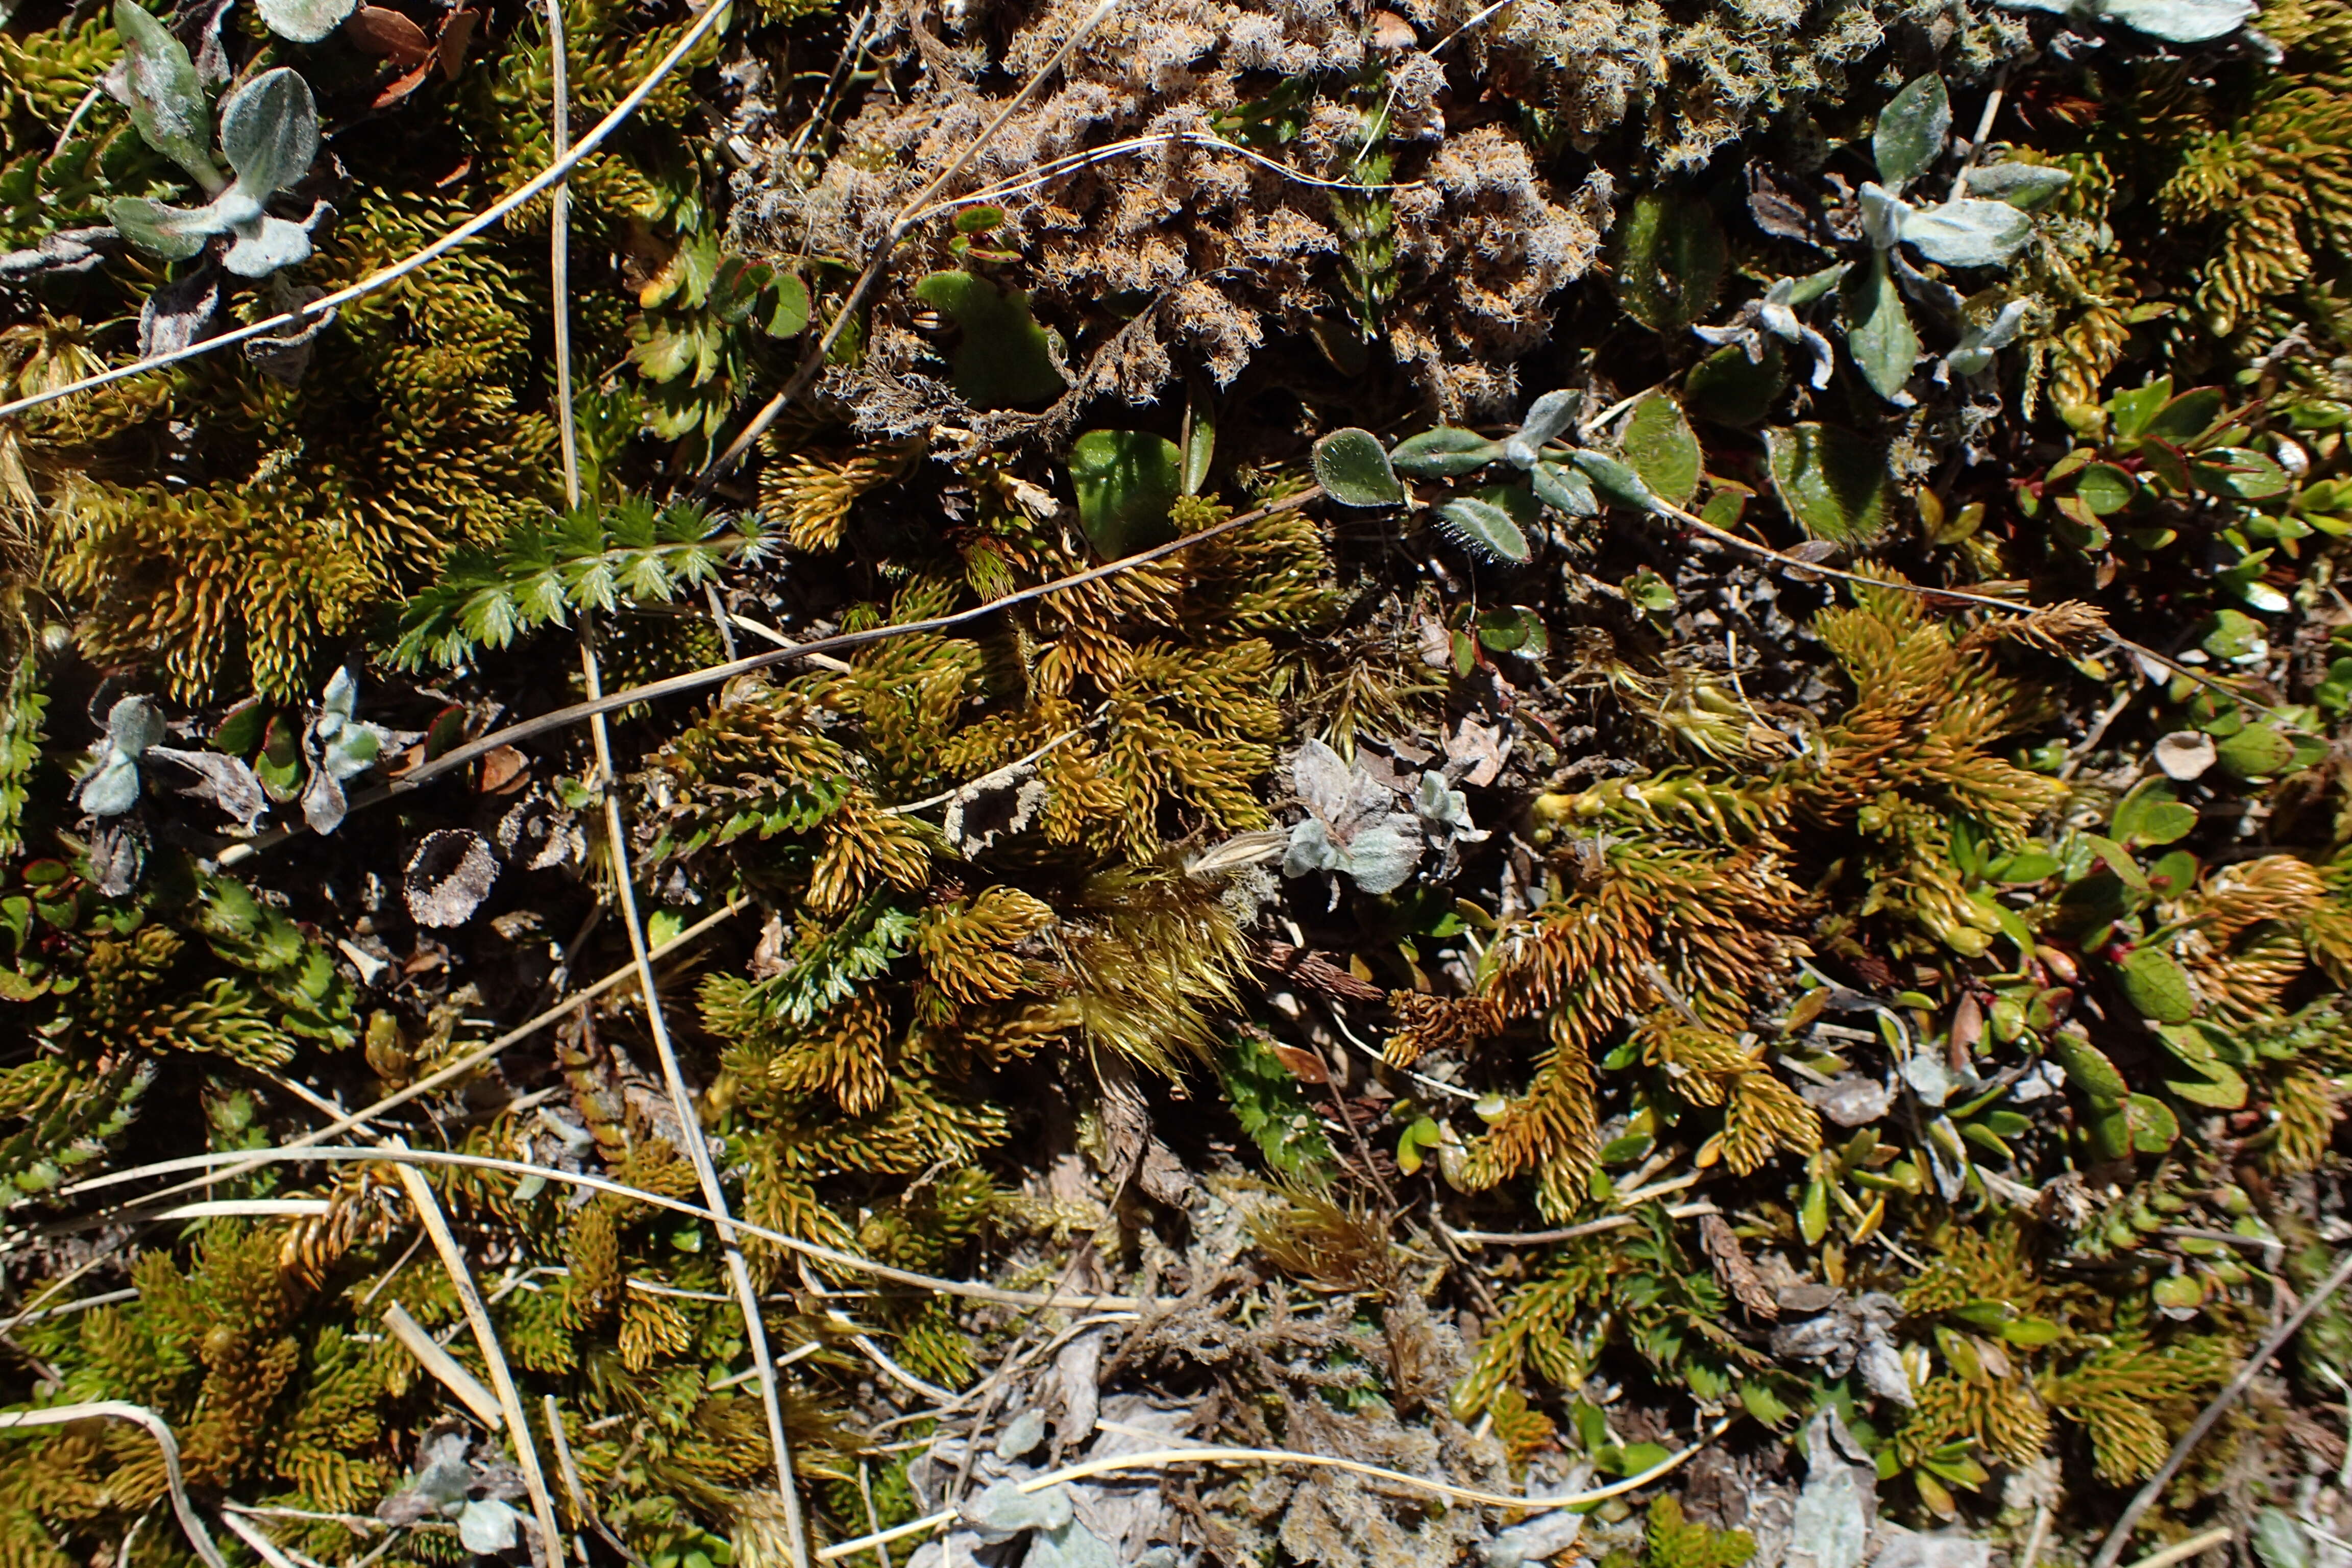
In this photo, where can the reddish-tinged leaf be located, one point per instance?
(457, 36)
(1304, 1065)
(400, 86)
(379, 30)
(504, 770)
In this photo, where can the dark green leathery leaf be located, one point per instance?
(1832, 482)
(1670, 261)
(2154, 983)
(1126, 481)
(2089, 1068)
(1004, 360)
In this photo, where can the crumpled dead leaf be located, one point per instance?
(1851, 1333)
(223, 780)
(1480, 751)
(1850, 1100)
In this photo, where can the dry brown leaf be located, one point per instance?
(1732, 1267)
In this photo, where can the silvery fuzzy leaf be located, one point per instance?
(133, 725)
(1829, 1526)
(1323, 780)
(1437, 804)
(223, 780)
(1929, 1078)
(1979, 344)
(2280, 1542)
(1382, 858)
(1911, 130)
(1967, 232)
(1882, 215)
(1547, 418)
(1004, 1511)
(306, 21)
(1880, 1367)
(157, 82)
(269, 131)
(1826, 1341)
(2182, 21)
(111, 788)
(2024, 186)
(1823, 357)
(1311, 849)
(1910, 1549)
(324, 804)
(1566, 488)
(2059, 7)
(264, 244)
(1021, 1436)
(353, 750)
(67, 250)
(179, 314)
(442, 1474)
(1071, 1545)
(1344, 796)
(487, 1526)
(1541, 1539)
(173, 233)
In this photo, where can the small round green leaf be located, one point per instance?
(2105, 489)
(1354, 471)
(2154, 1127)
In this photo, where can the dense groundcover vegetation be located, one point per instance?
(1580, 750)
